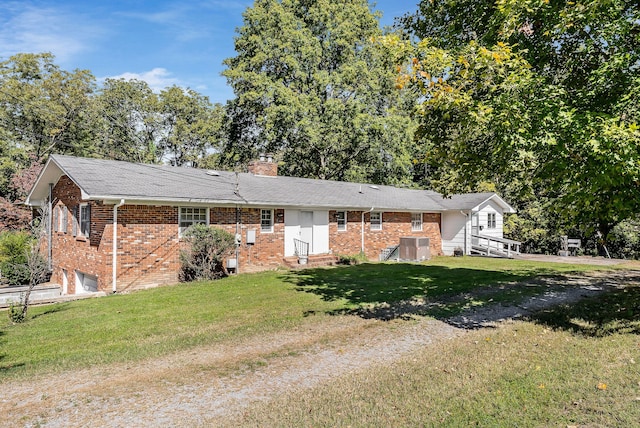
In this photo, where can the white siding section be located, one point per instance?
(483, 213)
(320, 232)
(291, 231)
(453, 229)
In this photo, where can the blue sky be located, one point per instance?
(164, 42)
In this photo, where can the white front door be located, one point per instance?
(306, 228)
(475, 227)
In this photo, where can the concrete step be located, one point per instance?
(316, 260)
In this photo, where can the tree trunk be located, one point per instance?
(604, 228)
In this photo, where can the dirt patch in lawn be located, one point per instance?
(208, 383)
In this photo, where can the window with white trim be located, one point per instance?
(84, 220)
(190, 216)
(341, 220)
(491, 220)
(266, 221)
(376, 220)
(416, 222)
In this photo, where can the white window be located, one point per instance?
(416, 222)
(266, 221)
(85, 220)
(491, 221)
(341, 219)
(376, 220)
(190, 216)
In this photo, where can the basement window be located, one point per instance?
(190, 216)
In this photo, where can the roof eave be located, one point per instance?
(505, 206)
(34, 198)
(141, 200)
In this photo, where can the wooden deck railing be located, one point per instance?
(490, 245)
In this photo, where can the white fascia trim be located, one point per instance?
(505, 206)
(114, 199)
(111, 200)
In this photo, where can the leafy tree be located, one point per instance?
(191, 126)
(130, 123)
(43, 109)
(312, 87)
(543, 93)
(624, 240)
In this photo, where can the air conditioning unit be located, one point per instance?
(414, 248)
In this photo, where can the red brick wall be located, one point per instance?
(268, 250)
(148, 245)
(76, 253)
(394, 226)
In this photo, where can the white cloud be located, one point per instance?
(27, 28)
(158, 78)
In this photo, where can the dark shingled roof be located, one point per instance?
(109, 180)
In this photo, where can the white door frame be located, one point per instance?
(65, 281)
(319, 236)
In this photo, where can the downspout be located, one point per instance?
(362, 229)
(466, 231)
(114, 258)
(50, 230)
(238, 221)
(238, 241)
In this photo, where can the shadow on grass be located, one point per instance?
(614, 312)
(6, 367)
(400, 290)
(58, 307)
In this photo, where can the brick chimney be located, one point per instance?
(264, 166)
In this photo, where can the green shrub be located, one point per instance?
(207, 249)
(624, 239)
(352, 259)
(13, 257)
(15, 312)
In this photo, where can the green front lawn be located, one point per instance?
(161, 321)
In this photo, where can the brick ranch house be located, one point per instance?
(116, 225)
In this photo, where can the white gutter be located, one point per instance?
(114, 258)
(362, 229)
